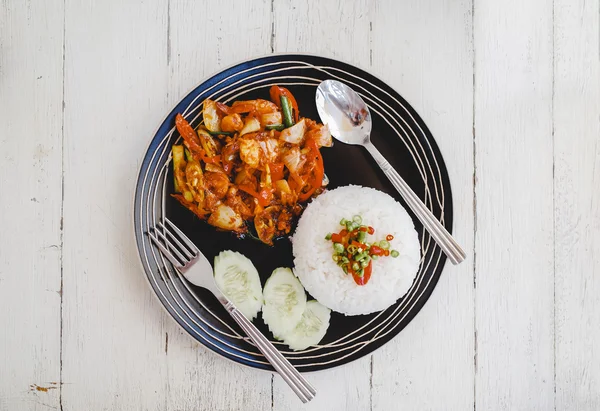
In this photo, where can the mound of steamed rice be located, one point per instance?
(320, 275)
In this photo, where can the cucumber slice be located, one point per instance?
(311, 328)
(238, 279)
(285, 301)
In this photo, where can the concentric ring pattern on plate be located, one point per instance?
(398, 132)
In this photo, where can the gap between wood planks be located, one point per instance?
(474, 216)
(62, 208)
(553, 214)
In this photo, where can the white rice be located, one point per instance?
(324, 280)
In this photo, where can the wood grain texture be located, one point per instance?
(115, 91)
(423, 49)
(200, 45)
(31, 41)
(345, 25)
(514, 237)
(577, 203)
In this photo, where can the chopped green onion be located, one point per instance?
(384, 244)
(364, 263)
(362, 236)
(328, 237)
(360, 272)
(360, 256)
(277, 127)
(335, 258)
(359, 250)
(345, 268)
(343, 221)
(338, 248)
(220, 133)
(354, 226)
(394, 253)
(357, 219)
(345, 260)
(355, 266)
(374, 257)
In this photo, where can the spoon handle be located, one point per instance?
(441, 236)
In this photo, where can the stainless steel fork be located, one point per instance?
(192, 264)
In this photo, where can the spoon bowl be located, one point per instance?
(344, 111)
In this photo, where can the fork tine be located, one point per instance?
(183, 249)
(170, 246)
(164, 250)
(184, 237)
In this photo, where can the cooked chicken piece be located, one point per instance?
(217, 183)
(234, 200)
(232, 123)
(266, 225)
(250, 152)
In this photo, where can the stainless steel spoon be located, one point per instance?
(349, 120)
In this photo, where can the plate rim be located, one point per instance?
(182, 96)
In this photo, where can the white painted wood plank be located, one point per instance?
(201, 44)
(423, 49)
(577, 203)
(514, 237)
(31, 41)
(338, 29)
(115, 95)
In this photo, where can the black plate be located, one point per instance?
(400, 135)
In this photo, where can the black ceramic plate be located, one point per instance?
(400, 135)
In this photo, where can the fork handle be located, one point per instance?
(292, 377)
(439, 233)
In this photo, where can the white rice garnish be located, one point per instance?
(325, 281)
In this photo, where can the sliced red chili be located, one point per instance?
(264, 197)
(366, 275)
(276, 171)
(375, 250)
(337, 238)
(316, 179)
(389, 237)
(371, 230)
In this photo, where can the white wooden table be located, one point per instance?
(511, 91)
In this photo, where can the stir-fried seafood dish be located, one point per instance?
(254, 161)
